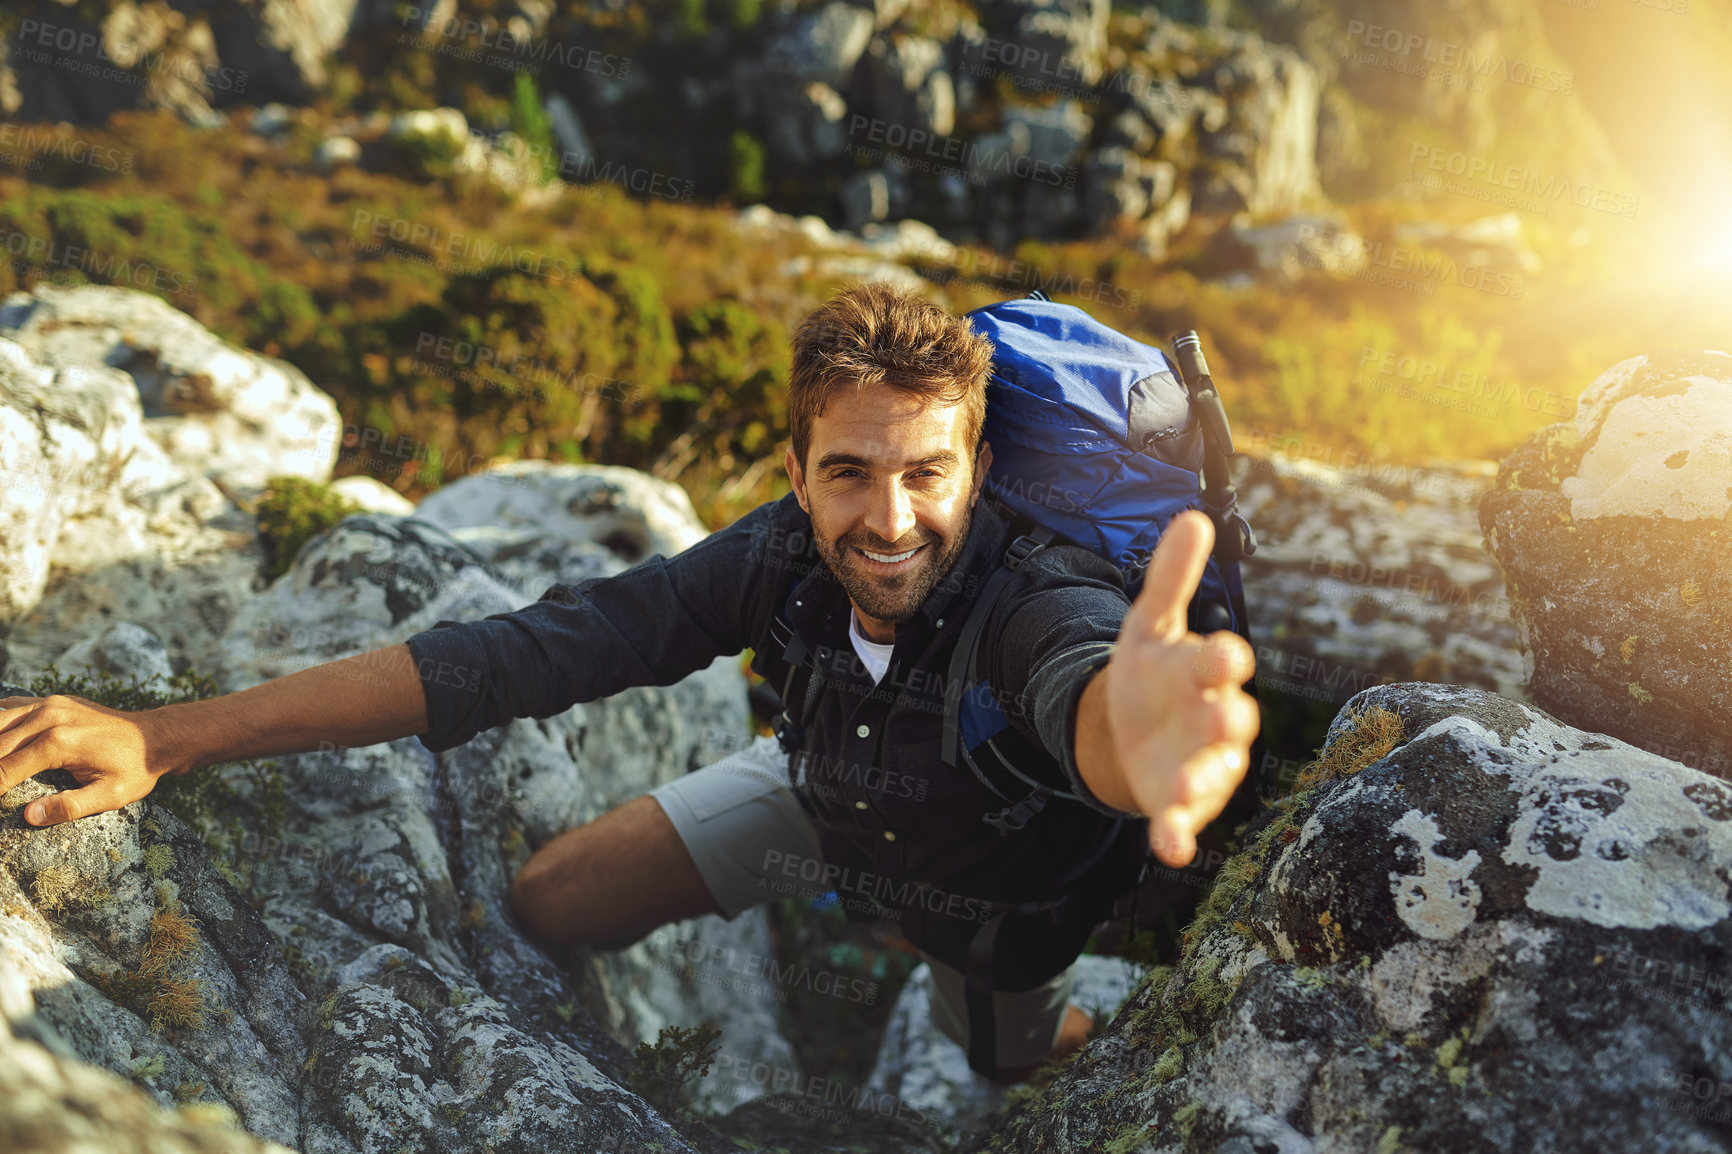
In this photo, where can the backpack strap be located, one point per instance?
(802, 684)
(964, 662)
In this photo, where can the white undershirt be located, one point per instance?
(875, 656)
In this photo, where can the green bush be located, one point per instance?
(291, 512)
(746, 183)
(661, 1070)
(529, 120)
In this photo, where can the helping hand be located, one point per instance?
(1181, 726)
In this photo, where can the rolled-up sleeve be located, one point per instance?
(1061, 624)
(652, 624)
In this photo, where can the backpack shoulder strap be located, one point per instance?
(964, 663)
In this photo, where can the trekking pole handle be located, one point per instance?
(1194, 371)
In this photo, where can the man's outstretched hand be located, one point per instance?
(108, 751)
(1179, 725)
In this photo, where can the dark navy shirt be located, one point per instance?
(896, 824)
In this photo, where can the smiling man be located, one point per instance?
(864, 573)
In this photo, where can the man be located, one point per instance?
(887, 401)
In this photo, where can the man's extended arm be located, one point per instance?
(1163, 728)
(117, 756)
(1145, 717)
(652, 624)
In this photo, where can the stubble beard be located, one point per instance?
(893, 599)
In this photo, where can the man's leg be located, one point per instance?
(1034, 1027)
(610, 882)
(706, 843)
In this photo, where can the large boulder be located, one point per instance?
(1264, 158)
(83, 63)
(904, 82)
(1480, 929)
(216, 409)
(131, 436)
(1615, 533)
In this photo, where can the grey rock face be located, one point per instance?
(822, 45)
(904, 82)
(1264, 159)
(56, 1103)
(1050, 41)
(1368, 574)
(1467, 944)
(122, 650)
(1615, 530)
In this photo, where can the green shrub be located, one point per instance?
(746, 183)
(661, 1069)
(291, 512)
(529, 120)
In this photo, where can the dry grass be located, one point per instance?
(1370, 735)
(177, 1002)
(173, 938)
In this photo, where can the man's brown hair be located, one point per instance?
(876, 333)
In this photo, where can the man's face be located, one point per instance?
(888, 476)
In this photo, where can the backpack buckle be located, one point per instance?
(1020, 550)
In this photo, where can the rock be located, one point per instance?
(1288, 250)
(432, 139)
(1056, 135)
(372, 495)
(907, 240)
(1368, 572)
(573, 141)
(233, 415)
(123, 650)
(925, 1070)
(97, 523)
(905, 83)
(865, 198)
(55, 1103)
(1613, 532)
(283, 45)
(1496, 243)
(271, 119)
(1051, 41)
(1467, 944)
(120, 414)
(804, 122)
(822, 45)
(1264, 159)
(383, 957)
(336, 150)
(62, 430)
(1121, 187)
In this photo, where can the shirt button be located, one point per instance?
(859, 805)
(863, 731)
(889, 835)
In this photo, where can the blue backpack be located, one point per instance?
(1097, 441)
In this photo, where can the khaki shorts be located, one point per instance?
(742, 824)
